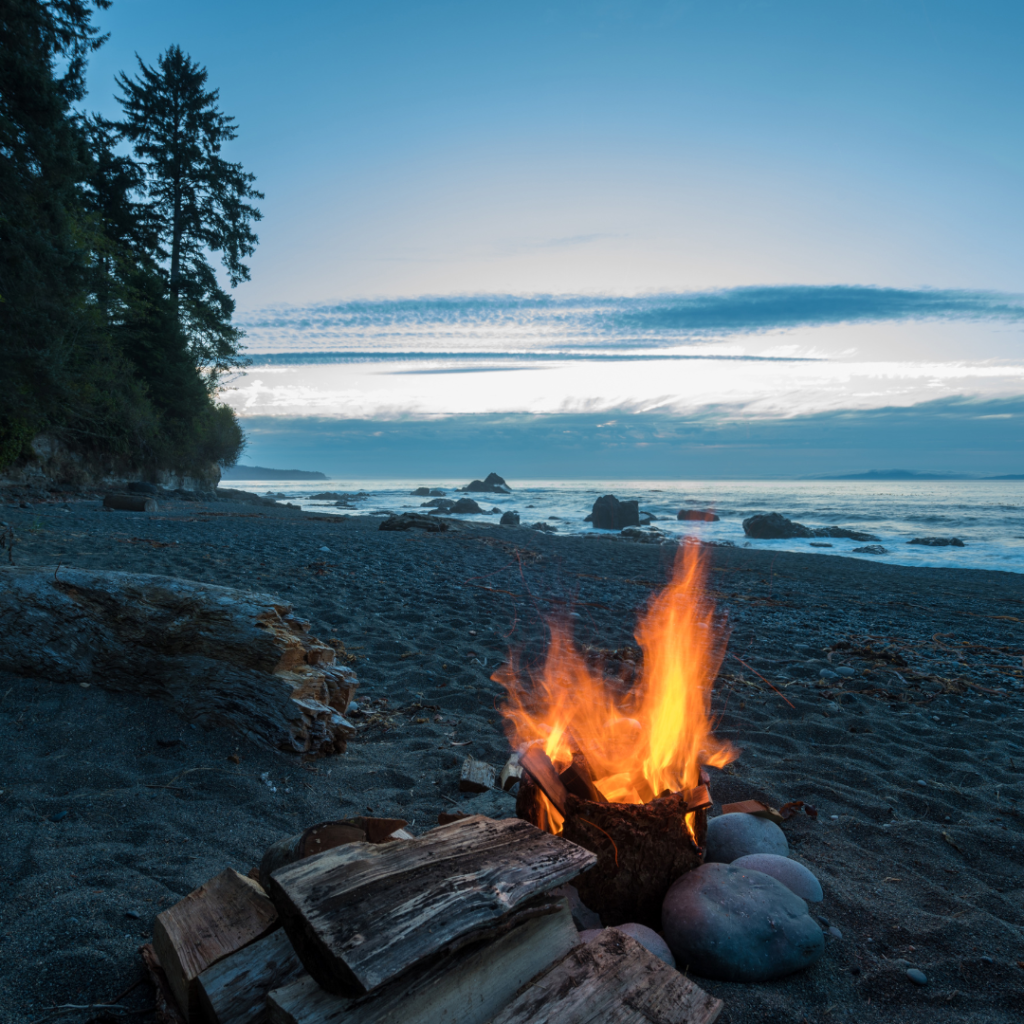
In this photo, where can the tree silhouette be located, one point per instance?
(199, 203)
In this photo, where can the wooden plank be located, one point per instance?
(611, 980)
(539, 767)
(234, 991)
(217, 919)
(469, 987)
(511, 773)
(477, 776)
(360, 915)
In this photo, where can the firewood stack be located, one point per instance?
(457, 926)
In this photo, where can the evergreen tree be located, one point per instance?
(198, 202)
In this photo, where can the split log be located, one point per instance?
(221, 657)
(543, 774)
(477, 776)
(165, 1009)
(360, 915)
(212, 922)
(614, 980)
(235, 990)
(130, 502)
(641, 849)
(469, 987)
(326, 836)
(511, 773)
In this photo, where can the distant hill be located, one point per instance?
(895, 474)
(260, 473)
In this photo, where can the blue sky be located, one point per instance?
(745, 186)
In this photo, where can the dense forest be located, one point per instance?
(115, 329)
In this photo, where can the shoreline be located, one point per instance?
(914, 875)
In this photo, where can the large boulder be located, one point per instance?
(775, 526)
(465, 506)
(413, 521)
(444, 504)
(733, 924)
(611, 514)
(793, 875)
(937, 542)
(494, 484)
(510, 519)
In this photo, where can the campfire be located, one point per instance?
(616, 765)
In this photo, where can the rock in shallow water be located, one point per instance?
(732, 924)
(736, 835)
(647, 937)
(792, 875)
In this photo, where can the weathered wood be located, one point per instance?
(210, 923)
(511, 773)
(360, 915)
(611, 980)
(326, 836)
(130, 503)
(222, 657)
(235, 990)
(642, 849)
(477, 776)
(754, 807)
(469, 987)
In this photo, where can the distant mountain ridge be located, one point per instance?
(909, 474)
(261, 473)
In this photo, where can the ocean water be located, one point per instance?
(987, 515)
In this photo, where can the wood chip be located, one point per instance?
(476, 777)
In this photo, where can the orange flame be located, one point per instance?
(640, 743)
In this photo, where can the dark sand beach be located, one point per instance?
(113, 807)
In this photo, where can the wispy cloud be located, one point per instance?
(590, 324)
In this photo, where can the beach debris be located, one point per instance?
(511, 773)
(755, 807)
(413, 521)
(938, 542)
(793, 807)
(493, 484)
(226, 658)
(130, 503)
(916, 976)
(733, 924)
(609, 513)
(476, 776)
(793, 875)
(731, 836)
(599, 980)
(355, 914)
(209, 924)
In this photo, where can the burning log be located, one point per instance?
(211, 923)
(358, 916)
(612, 979)
(219, 656)
(641, 848)
(469, 987)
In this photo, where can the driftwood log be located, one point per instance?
(468, 987)
(360, 915)
(221, 657)
(614, 980)
(130, 502)
(641, 848)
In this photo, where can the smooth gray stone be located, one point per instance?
(647, 937)
(736, 835)
(792, 875)
(732, 924)
(917, 977)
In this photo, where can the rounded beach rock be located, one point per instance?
(647, 937)
(792, 875)
(736, 835)
(732, 924)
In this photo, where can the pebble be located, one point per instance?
(647, 937)
(792, 875)
(827, 673)
(326, 549)
(916, 976)
(731, 924)
(835, 932)
(921, 782)
(845, 670)
(134, 914)
(59, 816)
(736, 835)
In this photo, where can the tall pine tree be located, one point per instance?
(199, 203)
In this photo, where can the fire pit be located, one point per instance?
(616, 768)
